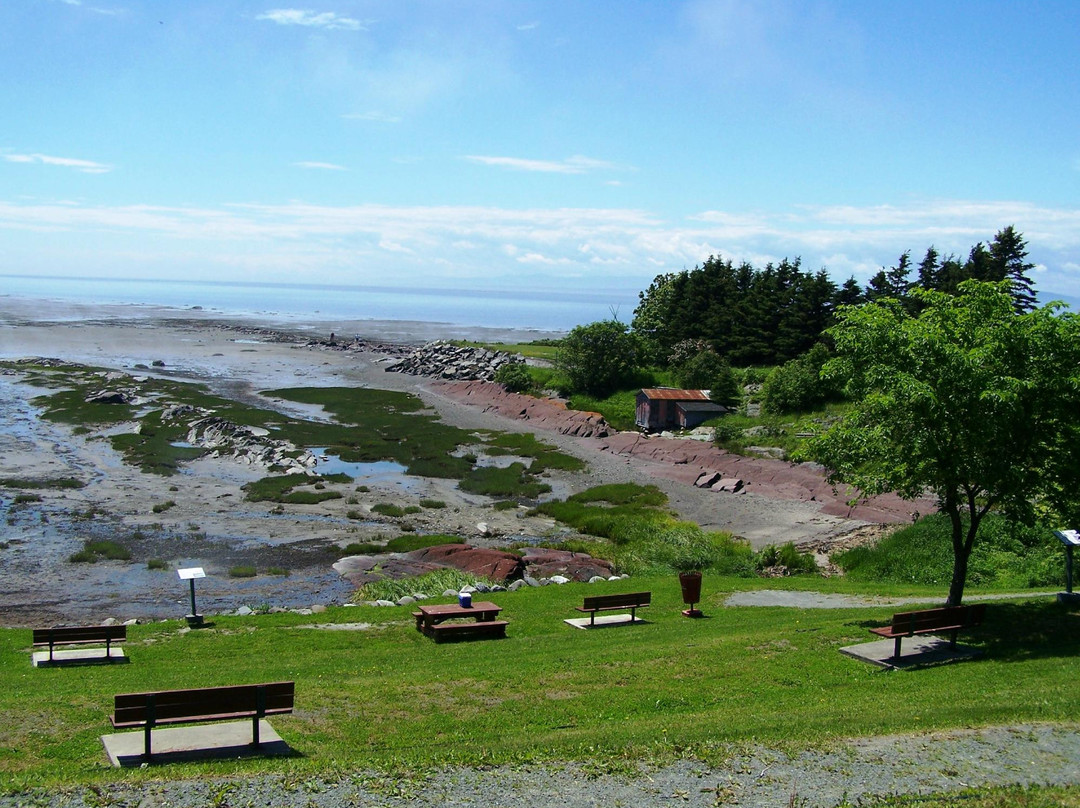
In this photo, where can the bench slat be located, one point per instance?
(205, 704)
(931, 621)
(625, 601)
(79, 635)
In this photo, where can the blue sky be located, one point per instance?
(531, 144)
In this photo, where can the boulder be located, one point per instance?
(480, 562)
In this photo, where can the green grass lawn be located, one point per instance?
(388, 698)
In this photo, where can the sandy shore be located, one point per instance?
(211, 525)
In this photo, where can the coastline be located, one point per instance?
(211, 524)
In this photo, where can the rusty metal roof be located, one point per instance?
(672, 394)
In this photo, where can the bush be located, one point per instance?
(514, 376)
(785, 556)
(432, 503)
(243, 571)
(156, 564)
(797, 386)
(161, 507)
(598, 358)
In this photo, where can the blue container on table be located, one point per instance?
(464, 600)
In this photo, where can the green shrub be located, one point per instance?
(505, 505)
(161, 507)
(94, 550)
(278, 571)
(786, 555)
(798, 386)
(156, 564)
(362, 548)
(242, 571)
(432, 504)
(387, 509)
(23, 499)
(514, 376)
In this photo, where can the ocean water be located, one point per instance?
(528, 310)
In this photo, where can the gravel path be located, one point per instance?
(923, 764)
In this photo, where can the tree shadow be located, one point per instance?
(1016, 632)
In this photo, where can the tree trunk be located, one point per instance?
(961, 551)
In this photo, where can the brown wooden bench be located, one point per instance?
(79, 635)
(489, 629)
(932, 621)
(603, 603)
(148, 710)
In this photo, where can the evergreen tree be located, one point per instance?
(1008, 251)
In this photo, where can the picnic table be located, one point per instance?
(431, 620)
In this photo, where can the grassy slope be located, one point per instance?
(389, 697)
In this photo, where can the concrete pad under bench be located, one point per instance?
(917, 651)
(79, 656)
(205, 741)
(604, 621)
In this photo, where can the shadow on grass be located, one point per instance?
(1016, 632)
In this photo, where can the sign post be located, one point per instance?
(1071, 539)
(190, 574)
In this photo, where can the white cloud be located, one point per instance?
(85, 166)
(571, 165)
(528, 26)
(600, 246)
(320, 166)
(311, 19)
(374, 115)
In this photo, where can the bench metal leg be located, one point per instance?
(260, 711)
(896, 647)
(150, 718)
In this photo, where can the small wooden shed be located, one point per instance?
(662, 408)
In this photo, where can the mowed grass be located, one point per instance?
(389, 699)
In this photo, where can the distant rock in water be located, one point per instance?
(443, 360)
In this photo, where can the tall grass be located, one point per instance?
(1006, 555)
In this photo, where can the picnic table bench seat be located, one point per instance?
(949, 619)
(232, 702)
(79, 635)
(603, 603)
(489, 629)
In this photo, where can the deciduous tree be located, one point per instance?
(968, 401)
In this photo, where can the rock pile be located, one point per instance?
(248, 444)
(442, 360)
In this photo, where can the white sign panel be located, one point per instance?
(1068, 536)
(190, 573)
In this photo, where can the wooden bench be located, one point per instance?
(603, 603)
(79, 635)
(148, 710)
(489, 629)
(931, 621)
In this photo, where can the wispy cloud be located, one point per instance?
(528, 26)
(571, 165)
(320, 166)
(95, 9)
(374, 115)
(586, 246)
(312, 19)
(85, 166)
